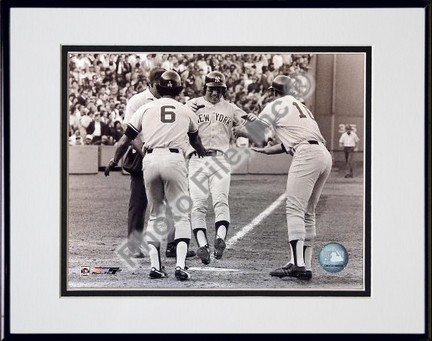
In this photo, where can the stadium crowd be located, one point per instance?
(101, 84)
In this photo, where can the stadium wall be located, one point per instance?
(339, 98)
(92, 159)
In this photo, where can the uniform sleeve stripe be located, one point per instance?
(193, 132)
(130, 132)
(135, 129)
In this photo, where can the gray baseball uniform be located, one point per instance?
(164, 124)
(297, 129)
(212, 174)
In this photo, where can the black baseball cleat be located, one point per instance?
(219, 246)
(204, 254)
(292, 270)
(181, 274)
(190, 254)
(155, 273)
(281, 272)
(171, 253)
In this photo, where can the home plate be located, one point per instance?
(213, 269)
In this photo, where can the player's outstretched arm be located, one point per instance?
(195, 141)
(256, 120)
(276, 149)
(255, 129)
(195, 107)
(122, 147)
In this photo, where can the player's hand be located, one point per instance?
(270, 142)
(239, 132)
(259, 150)
(201, 152)
(195, 107)
(109, 167)
(250, 117)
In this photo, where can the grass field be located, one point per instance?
(97, 219)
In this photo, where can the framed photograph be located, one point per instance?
(259, 212)
(239, 160)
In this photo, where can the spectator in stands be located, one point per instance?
(123, 70)
(98, 129)
(167, 62)
(88, 140)
(86, 119)
(75, 117)
(117, 131)
(255, 86)
(277, 61)
(104, 116)
(76, 139)
(202, 65)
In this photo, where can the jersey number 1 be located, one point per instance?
(167, 116)
(301, 114)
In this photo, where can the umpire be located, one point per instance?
(138, 198)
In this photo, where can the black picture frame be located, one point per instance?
(6, 261)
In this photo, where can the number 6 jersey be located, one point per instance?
(164, 123)
(292, 121)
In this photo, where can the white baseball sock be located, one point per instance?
(201, 238)
(221, 232)
(154, 256)
(291, 261)
(181, 254)
(308, 257)
(297, 246)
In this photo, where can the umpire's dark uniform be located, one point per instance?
(138, 199)
(136, 213)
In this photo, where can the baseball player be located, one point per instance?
(138, 198)
(211, 175)
(165, 124)
(310, 168)
(349, 141)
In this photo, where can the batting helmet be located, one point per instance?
(155, 74)
(169, 84)
(281, 84)
(215, 79)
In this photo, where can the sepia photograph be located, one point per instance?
(215, 171)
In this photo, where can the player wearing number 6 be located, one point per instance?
(165, 124)
(311, 164)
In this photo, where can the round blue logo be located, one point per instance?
(333, 257)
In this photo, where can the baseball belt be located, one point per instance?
(172, 150)
(310, 142)
(211, 153)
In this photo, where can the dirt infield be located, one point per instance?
(97, 226)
